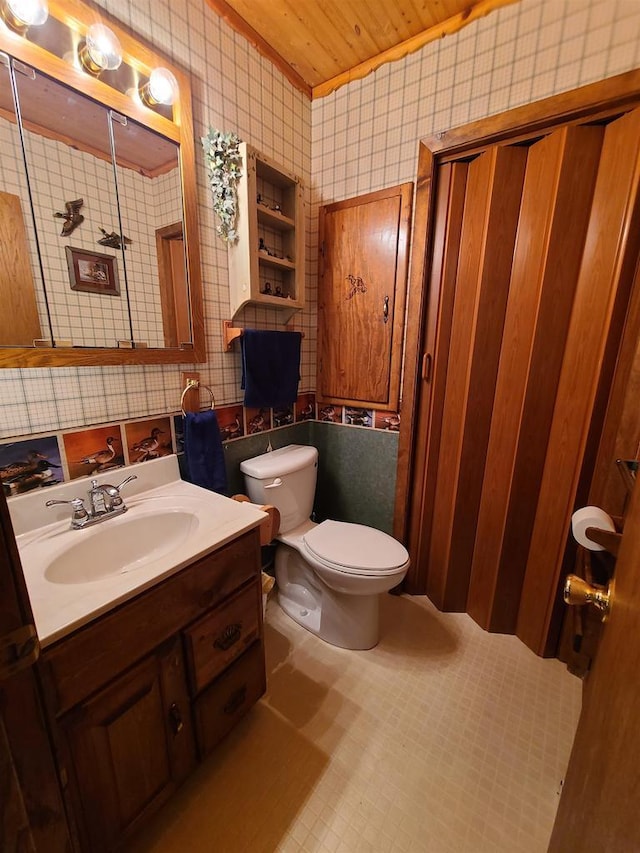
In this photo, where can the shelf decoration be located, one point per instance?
(224, 165)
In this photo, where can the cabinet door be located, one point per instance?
(129, 746)
(363, 275)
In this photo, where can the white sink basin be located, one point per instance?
(105, 550)
(72, 576)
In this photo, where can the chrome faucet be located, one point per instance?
(105, 501)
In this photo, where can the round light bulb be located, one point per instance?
(29, 13)
(163, 87)
(102, 49)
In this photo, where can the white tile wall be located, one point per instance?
(361, 138)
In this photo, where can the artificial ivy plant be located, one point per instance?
(224, 166)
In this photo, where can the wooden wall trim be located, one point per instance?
(621, 91)
(236, 22)
(415, 317)
(399, 51)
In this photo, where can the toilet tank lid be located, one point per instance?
(285, 460)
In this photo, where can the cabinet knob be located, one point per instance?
(385, 309)
(229, 637)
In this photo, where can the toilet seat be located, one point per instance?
(355, 549)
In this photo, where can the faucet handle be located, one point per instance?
(77, 504)
(113, 492)
(125, 481)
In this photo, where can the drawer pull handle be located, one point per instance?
(236, 700)
(175, 719)
(229, 637)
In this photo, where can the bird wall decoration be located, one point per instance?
(21, 467)
(149, 448)
(113, 240)
(104, 456)
(72, 217)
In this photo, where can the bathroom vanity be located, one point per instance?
(139, 691)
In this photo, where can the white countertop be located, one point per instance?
(60, 608)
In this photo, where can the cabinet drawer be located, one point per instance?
(229, 698)
(221, 636)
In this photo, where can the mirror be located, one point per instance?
(67, 154)
(111, 274)
(151, 216)
(21, 284)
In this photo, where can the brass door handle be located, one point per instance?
(578, 591)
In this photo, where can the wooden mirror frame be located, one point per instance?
(78, 17)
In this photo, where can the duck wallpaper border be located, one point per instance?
(30, 463)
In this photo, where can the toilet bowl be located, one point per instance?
(330, 575)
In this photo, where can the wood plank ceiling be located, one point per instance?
(322, 44)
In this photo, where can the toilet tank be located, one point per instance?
(286, 479)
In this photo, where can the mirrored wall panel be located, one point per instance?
(24, 317)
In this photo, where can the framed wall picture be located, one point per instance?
(92, 272)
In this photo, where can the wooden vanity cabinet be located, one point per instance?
(140, 692)
(129, 746)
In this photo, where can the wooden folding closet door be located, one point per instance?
(601, 302)
(534, 243)
(486, 241)
(556, 202)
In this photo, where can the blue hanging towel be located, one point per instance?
(203, 451)
(270, 367)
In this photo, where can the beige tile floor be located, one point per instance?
(442, 739)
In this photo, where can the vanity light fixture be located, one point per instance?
(19, 15)
(100, 50)
(161, 88)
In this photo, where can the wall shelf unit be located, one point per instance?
(266, 264)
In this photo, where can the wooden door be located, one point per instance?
(603, 293)
(20, 325)
(174, 290)
(129, 746)
(598, 811)
(485, 249)
(361, 301)
(530, 313)
(32, 816)
(559, 185)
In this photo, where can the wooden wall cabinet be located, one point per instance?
(137, 695)
(266, 263)
(364, 255)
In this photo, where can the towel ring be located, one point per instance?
(191, 384)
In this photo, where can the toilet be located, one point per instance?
(329, 576)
